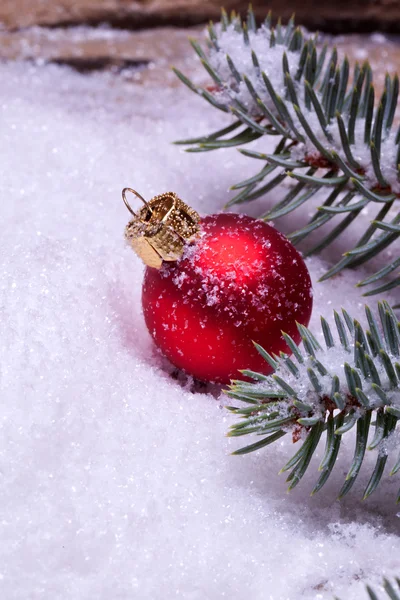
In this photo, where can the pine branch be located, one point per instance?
(324, 393)
(392, 590)
(332, 140)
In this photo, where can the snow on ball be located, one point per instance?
(241, 281)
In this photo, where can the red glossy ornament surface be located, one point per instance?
(241, 281)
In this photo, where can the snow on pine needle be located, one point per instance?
(243, 65)
(328, 391)
(236, 61)
(336, 137)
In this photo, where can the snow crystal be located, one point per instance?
(116, 480)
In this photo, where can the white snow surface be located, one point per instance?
(116, 479)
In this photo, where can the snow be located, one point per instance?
(116, 479)
(230, 43)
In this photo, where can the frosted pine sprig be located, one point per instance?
(334, 135)
(325, 392)
(392, 590)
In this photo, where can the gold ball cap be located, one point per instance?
(161, 229)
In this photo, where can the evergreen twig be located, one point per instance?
(324, 393)
(323, 122)
(392, 590)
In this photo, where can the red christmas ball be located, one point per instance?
(241, 281)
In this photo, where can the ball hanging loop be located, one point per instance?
(161, 229)
(128, 206)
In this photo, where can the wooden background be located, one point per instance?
(334, 15)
